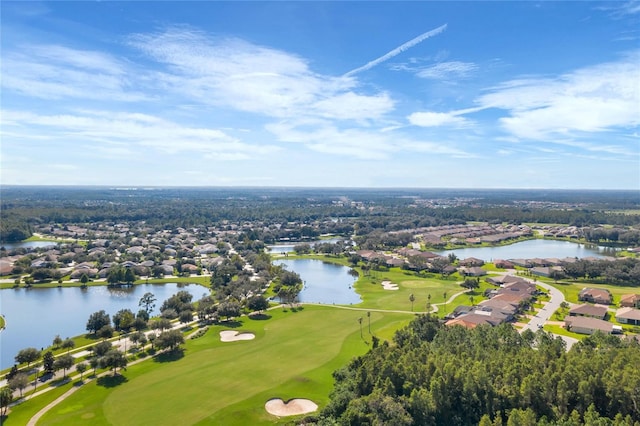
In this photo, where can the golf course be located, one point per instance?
(213, 382)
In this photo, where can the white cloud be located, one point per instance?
(593, 99)
(351, 106)
(435, 119)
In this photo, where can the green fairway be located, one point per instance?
(293, 355)
(374, 296)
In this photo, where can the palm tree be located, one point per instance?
(369, 318)
(412, 299)
(360, 321)
(445, 301)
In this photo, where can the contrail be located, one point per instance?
(398, 50)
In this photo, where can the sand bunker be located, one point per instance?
(293, 407)
(387, 285)
(234, 336)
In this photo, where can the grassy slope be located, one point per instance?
(293, 355)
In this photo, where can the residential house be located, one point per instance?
(630, 301)
(504, 264)
(474, 271)
(504, 279)
(471, 261)
(587, 325)
(545, 271)
(595, 295)
(628, 316)
(587, 310)
(524, 263)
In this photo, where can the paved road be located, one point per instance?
(543, 315)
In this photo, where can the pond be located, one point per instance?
(34, 316)
(29, 244)
(324, 282)
(532, 249)
(288, 247)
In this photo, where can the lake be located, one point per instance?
(29, 244)
(34, 316)
(323, 282)
(532, 249)
(288, 247)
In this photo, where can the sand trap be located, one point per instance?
(234, 336)
(293, 407)
(387, 285)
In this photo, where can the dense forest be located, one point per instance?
(339, 210)
(437, 375)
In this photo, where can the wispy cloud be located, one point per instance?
(447, 70)
(108, 131)
(360, 143)
(395, 52)
(247, 77)
(57, 72)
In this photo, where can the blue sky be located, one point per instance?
(322, 94)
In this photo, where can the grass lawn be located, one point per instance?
(293, 355)
(374, 296)
(556, 329)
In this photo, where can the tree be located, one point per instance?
(6, 397)
(95, 364)
(113, 359)
(115, 275)
(369, 318)
(229, 309)
(169, 339)
(160, 324)
(99, 349)
(81, 368)
(360, 322)
(143, 315)
(68, 344)
(123, 320)
(106, 332)
(470, 283)
(258, 303)
(84, 279)
(412, 299)
(27, 355)
(57, 341)
(47, 362)
(63, 362)
(129, 276)
(18, 382)
(186, 317)
(97, 320)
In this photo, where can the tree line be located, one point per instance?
(437, 375)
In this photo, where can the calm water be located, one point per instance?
(324, 282)
(34, 316)
(28, 245)
(532, 249)
(288, 248)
